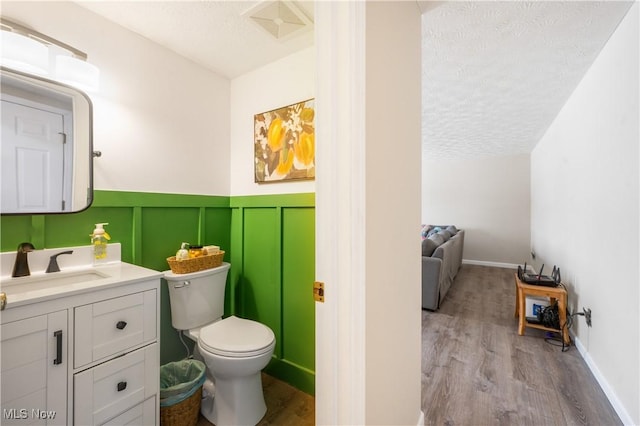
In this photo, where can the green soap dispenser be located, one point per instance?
(99, 240)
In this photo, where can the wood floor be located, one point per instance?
(476, 370)
(286, 405)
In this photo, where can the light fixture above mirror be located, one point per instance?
(27, 50)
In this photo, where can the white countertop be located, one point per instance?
(76, 276)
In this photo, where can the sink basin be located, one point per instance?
(47, 281)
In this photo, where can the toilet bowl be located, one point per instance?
(234, 349)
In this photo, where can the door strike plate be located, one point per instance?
(318, 291)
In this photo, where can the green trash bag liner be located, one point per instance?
(181, 378)
(175, 399)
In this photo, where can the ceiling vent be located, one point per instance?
(282, 19)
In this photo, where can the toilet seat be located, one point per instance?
(236, 338)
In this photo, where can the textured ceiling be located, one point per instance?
(214, 34)
(495, 74)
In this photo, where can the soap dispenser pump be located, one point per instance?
(183, 253)
(99, 240)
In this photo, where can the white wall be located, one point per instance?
(161, 121)
(584, 212)
(392, 171)
(281, 83)
(488, 197)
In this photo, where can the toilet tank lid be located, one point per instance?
(236, 335)
(171, 276)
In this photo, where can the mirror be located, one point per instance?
(47, 147)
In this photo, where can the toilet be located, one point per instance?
(234, 349)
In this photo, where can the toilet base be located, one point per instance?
(236, 402)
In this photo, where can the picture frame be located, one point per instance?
(284, 143)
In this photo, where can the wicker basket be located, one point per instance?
(184, 413)
(195, 264)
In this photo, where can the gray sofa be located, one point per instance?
(441, 260)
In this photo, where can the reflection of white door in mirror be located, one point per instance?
(37, 174)
(35, 159)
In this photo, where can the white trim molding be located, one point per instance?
(604, 385)
(340, 208)
(489, 263)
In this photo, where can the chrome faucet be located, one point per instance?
(53, 262)
(21, 266)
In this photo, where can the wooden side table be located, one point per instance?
(558, 294)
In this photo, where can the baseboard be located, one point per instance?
(421, 418)
(488, 263)
(604, 385)
(289, 372)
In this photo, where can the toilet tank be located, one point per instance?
(197, 298)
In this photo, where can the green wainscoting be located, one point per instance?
(273, 262)
(150, 228)
(269, 240)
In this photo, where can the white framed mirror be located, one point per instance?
(46, 146)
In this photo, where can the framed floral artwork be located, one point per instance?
(284, 143)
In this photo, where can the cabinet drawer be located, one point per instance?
(114, 326)
(143, 414)
(111, 388)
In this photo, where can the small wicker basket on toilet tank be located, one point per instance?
(195, 264)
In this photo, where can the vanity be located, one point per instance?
(79, 342)
(80, 346)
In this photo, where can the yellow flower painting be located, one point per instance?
(284, 143)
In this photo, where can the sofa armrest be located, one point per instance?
(430, 282)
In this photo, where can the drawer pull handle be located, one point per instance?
(121, 325)
(122, 386)
(58, 336)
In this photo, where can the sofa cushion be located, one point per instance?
(428, 246)
(437, 238)
(433, 230)
(452, 229)
(445, 234)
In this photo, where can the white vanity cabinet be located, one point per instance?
(85, 357)
(120, 334)
(34, 370)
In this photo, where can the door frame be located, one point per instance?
(340, 206)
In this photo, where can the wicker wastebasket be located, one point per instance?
(184, 413)
(181, 392)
